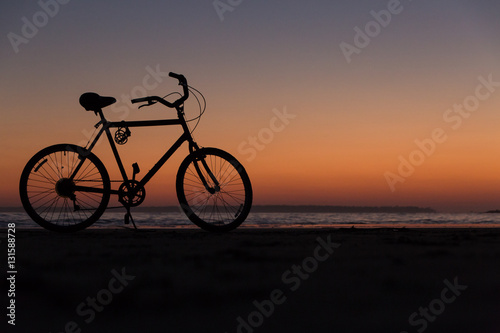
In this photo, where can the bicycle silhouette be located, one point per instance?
(66, 187)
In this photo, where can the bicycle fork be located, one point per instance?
(210, 190)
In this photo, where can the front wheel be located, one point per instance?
(64, 188)
(214, 190)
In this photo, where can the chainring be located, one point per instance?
(131, 194)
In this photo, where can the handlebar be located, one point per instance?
(140, 100)
(153, 99)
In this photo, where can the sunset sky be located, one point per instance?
(407, 112)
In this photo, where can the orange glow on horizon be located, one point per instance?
(309, 127)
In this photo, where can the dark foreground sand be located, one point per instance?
(172, 280)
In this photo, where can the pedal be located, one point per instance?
(135, 170)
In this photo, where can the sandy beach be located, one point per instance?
(258, 280)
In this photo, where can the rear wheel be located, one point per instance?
(225, 201)
(64, 188)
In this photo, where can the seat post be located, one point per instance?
(100, 113)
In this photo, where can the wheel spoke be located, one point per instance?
(50, 196)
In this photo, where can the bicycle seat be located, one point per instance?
(93, 102)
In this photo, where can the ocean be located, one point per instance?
(114, 219)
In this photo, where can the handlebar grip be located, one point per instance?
(180, 77)
(140, 100)
(183, 83)
(176, 76)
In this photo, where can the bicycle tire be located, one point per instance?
(47, 193)
(227, 208)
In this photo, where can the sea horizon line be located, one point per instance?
(285, 209)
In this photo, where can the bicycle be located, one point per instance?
(66, 187)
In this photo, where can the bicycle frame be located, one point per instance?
(186, 136)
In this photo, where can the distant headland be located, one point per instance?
(340, 209)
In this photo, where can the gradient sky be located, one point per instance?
(353, 122)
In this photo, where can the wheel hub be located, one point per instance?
(213, 190)
(65, 187)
